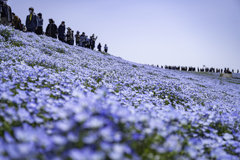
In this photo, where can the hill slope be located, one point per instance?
(66, 102)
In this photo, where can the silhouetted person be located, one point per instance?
(77, 37)
(72, 38)
(69, 35)
(82, 40)
(105, 48)
(92, 41)
(61, 32)
(31, 21)
(99, 47)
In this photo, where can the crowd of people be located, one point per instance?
(185, 68)
(34, 23)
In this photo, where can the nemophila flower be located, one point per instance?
(85, 154)
(59, 140)
(50, 91)
(227, 136)
(173, 143)
(94, 122)
(8, 137)
(64, 125)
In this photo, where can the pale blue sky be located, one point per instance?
(163, 32)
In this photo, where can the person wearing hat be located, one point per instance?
(61, 32)
(31, 21)
(39, 30)
(77, 36)
(5, 13)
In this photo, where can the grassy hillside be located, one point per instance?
(66, 102)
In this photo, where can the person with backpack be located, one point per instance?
(106, 48)
(6, 13)
(77, 36)
(31, 21)
(99, 47)
(93, 40)
(51, 29)
(39, 30)
(82, 40)
(16, 22)
(61, 32)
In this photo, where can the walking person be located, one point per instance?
(6, 13)
(77, 36)
(93, 40)
(39, 30)
(99, 47)
(61, 32)
(105, 48)
(51, 30)
(16, 21)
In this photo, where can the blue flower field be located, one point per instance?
(62, 102)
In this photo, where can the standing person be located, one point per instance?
(31, 21)
(69, 34)
(106, 48)
(39, 30)
(87, 42)
(77, 36)
(93, 40)
(82, 40)
(61, 32)
(6, 13)
(48, 29)
(16, 21)
(72, 38)
(99, 47)
(51, 29)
